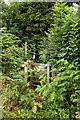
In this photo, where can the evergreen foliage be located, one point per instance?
(29, 20)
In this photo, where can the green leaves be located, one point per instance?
(63, 92)
(62, 36)
(53, 33)
(12, 54)
(28, 21)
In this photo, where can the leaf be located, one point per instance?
(39, 104)
(19, 111)
(34, 109)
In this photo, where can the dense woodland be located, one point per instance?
(52, 32)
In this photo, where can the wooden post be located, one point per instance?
(48, 74)
(26, 66)
(26, 71)
(25, 48)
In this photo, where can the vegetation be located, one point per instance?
(52, 31)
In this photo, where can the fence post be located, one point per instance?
(48, 72)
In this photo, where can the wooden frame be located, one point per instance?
(39, 66)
